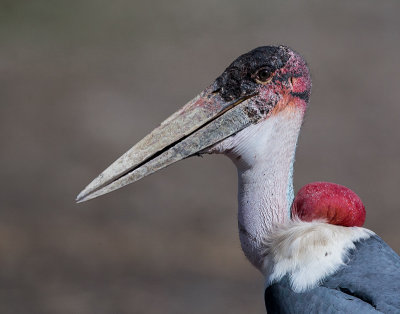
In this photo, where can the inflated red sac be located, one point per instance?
(335, 203)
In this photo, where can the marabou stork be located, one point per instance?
(253, 113)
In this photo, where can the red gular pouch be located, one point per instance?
(332, 202)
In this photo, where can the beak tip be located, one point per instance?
(79, 199)
(82, 197)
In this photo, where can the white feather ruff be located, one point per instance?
(307, 251)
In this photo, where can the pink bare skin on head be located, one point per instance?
(335, 203)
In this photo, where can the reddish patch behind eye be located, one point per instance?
(299, 84)
(333, 202)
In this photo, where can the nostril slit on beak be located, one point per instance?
(215, 91)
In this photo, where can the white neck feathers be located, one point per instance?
(308, 252)
(264, 156)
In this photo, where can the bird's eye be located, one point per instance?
(263, 76)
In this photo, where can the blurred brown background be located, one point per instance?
(82, 81)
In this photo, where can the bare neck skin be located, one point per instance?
(264, 157)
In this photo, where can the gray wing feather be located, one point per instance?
(369, 282)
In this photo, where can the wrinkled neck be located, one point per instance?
(264, 157)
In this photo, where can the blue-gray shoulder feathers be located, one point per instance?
(369, 282)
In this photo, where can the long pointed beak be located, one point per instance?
(202, 122)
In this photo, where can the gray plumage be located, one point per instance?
(369, 282)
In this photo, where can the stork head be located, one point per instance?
(256, 86)
(271, 76)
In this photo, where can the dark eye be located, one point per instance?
(264, 76)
